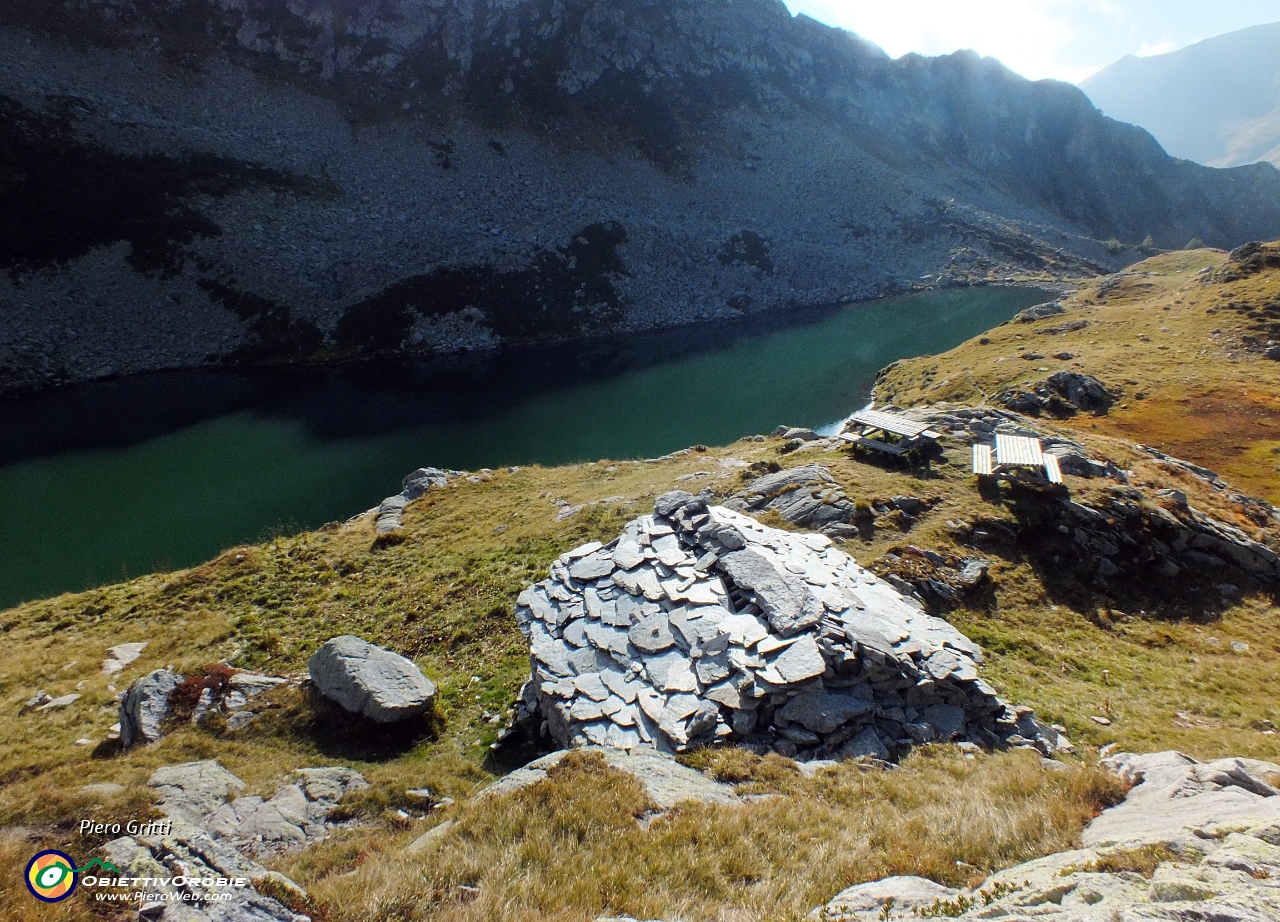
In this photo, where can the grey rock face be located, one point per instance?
(145, 706)
(706, 625)
(1174, 794)
(368, 680)
(687, 231)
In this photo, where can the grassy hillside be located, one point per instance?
(1158, 666)
(1181, 337)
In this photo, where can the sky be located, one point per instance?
(1060, 39)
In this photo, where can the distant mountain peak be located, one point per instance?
(1216, 102)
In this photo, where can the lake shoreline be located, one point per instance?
(15, 391)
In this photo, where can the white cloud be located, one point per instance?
(1147, 49)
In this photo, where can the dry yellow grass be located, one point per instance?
(570, 848)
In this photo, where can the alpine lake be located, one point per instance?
(103, 481)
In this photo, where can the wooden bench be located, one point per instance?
(873, 444)
(982, 460)
(1051, 469)
(877, 445)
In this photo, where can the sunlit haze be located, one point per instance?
(1060, 39)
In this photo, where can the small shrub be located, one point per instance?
(1195, 243)
(1114, 246)
(214, 676)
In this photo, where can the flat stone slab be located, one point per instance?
(665, 780)
(1174, 793)
(866, 902)
(121, 656)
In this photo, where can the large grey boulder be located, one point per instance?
(370, 681)
(699, 624)
(145, 706)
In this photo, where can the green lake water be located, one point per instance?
(105, 481)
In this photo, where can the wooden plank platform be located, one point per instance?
(982, 459)
(889, 422)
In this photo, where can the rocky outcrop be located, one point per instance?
(806, 496)
(1191, 841)
(388, 514)
(367, 680)
(409, 177)
(1063, 393)
(209, 832)
(700, 624)
(148, 704)
(940, 579)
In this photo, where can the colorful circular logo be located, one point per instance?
(51, 876)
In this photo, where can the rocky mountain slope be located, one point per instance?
(260, 181)
(1216, 102)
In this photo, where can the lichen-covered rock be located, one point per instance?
(370, 681)
(145, 706)
(807, 496)
(699, 624)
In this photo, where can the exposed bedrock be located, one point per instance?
(261, 181)
(699, 624)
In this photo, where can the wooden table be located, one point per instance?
(1014, 454)
(898, 435)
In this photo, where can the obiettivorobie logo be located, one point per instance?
(52, 875)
